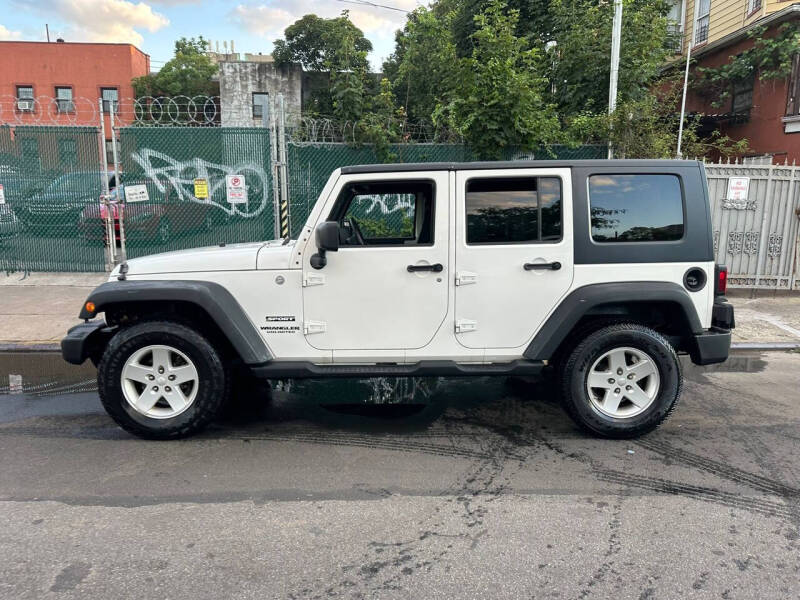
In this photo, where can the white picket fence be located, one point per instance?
(757, 237)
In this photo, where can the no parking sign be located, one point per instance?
(236, 189)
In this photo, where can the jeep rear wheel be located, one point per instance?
(161, 380)
(621, 381)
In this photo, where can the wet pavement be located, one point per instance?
(472, 488)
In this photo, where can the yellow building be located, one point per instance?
(719, 19)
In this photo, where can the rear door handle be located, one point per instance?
(436, 268)
(553, 266)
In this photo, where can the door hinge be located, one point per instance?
(310, 327)
(466, 325)
(313, 279)
(466, 278)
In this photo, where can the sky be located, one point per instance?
(154, 25)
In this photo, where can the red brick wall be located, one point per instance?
(83, 66)
(764, 130)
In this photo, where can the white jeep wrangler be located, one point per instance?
(598, 271)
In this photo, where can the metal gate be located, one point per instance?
(757, 237)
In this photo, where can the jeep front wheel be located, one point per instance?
(621, 381)
(161, 380)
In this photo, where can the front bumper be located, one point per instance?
(714, 345)
(82, 340)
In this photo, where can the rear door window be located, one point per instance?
(513, 210)
(636, 208)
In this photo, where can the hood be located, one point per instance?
(227, 257)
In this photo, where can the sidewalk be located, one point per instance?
(38, 309)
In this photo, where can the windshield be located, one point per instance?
(77, 183)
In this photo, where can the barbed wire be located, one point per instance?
(206, 111)
(145, 111)
(317, 130)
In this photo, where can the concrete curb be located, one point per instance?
(22, 347)
(766, 346)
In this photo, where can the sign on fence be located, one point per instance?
(236, 189)
(136, 193)
(738, 188)
(2, 195)
(201, 187)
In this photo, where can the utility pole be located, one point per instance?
(679, 154)
(616, 33)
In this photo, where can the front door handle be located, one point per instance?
(436, 268)
(553, 266)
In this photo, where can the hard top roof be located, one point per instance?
(512, 164)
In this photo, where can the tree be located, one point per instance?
(421, 67)
(318, 44)
(336, 48)
(580, 64)
(647, 127)
(534, 23)
(497, 100)
(189, 73)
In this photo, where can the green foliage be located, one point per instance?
(580, 61)
(189, 73)
(497, 99)
(382, 124)
(647, 127)
(381, 228)
(421, 67)
(322, 44)
(534, 23)
(768, 57)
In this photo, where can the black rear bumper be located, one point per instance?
(82, 339)
(714, 345)
(711, 346)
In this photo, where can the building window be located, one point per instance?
(110, 153)
(793, 101)
(30, 151)
(67, 152)
(64, 100)
(753, 6)
(260, 101)
(110, 99)
(519, 210)
(675, 27)
(25, 98)
(636, 208)
(742, 97)
(701, 28)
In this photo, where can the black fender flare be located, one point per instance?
(579, 302)
(212, 297)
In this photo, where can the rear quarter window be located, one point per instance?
(636, 208)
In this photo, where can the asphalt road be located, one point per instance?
(488, 492)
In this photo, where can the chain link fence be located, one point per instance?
(51, 180)
(184, 171)
(81, 179)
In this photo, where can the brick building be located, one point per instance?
(59, 83)
(764, 111)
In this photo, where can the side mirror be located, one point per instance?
(327, 236)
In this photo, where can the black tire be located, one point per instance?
(213, 384)
(575, 371)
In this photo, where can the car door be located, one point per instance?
(386, 287)
(513, 256)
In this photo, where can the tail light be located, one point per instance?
(721, 285)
